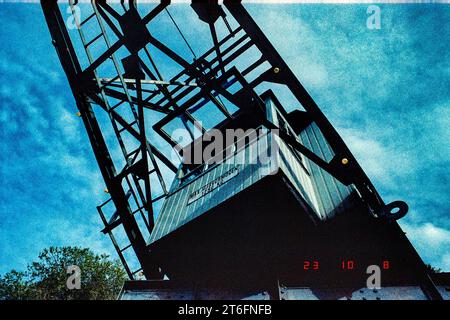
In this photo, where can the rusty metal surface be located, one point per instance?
(387, 293)
(166, 290)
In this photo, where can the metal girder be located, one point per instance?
(352, 171)
(69, 61)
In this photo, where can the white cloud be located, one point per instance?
(384, 163)
(431, 241)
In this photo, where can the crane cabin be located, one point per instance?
(251, 201)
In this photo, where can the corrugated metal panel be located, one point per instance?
(296, 174)
(324, 194)
(330, 193)
(176, 211)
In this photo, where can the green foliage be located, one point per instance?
(432, 270)
(47, 278)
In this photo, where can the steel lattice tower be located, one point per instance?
(143, 86)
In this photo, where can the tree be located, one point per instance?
(432, 270)
(47, 278)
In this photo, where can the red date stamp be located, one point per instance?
(314, 265)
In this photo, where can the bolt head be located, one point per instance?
(276, 70)
(344, 161)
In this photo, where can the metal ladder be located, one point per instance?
(130, 157)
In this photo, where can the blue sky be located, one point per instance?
(386, 91)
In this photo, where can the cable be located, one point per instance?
(181, 33)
